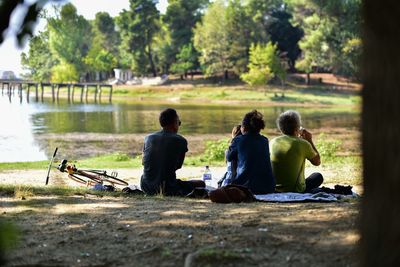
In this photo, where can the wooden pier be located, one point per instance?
(10, 86)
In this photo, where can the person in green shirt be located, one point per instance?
(289, 152)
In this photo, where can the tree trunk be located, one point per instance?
(380, 215)
(308, 78)
(152, 66)
(226, 75)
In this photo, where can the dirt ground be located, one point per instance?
(95, 144)
(162, 231)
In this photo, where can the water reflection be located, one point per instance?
(24, 123)
(17, 141)
(143, 118)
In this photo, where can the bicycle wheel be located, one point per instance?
(108, 178)
(94, 177)
(80, 180)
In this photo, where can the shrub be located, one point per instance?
(121, 157)
(327, 148)
(215, 150)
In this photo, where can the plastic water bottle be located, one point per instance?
(207, 177)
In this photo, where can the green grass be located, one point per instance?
(115, 160)
(24, 191)
(307, 95)
(34, 165)
(112, 161)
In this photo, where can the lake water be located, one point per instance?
(23, 123)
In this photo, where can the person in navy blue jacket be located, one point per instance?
(251, 151)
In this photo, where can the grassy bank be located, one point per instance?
(112, 161)
(316, 95)
(339, 165)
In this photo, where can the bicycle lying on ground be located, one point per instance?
(87, 177)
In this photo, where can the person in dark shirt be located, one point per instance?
(163, 154)
(251, 151)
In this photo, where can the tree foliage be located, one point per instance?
(70, 37)
(186, 60)
(312, 35)
(38, 60)
(285, 35)
(264, 64)
(211, 39)
(180, 18)
(64, 72)
(328, 26)
(103, 53)
(138, 27)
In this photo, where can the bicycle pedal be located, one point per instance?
(114, 174)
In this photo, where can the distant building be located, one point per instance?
(123, 74)
(7, 75)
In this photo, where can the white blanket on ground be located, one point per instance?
(302, 197)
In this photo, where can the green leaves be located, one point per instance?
(186, 60)
(39, 60)
(70, 37)
(138, 27)
(64, 72)
(264, 63)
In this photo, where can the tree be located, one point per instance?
(239, 30)
(64, 72)
(105, 33)
(315, 45)
(285, 35)
(103, 53)
(70, 37)
(186, 60)
(39, 60)
(264, 63)
(260, 12)
(99, 59)
(138, 27)
(181, 17)
(329, 26)
(212, 40)
(380, 209)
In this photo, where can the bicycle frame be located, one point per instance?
(88, 177)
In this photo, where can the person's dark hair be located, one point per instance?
(236, 132)
(288, 122)
(168, 117)
(253, 121)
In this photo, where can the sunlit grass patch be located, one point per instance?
(23, 165)
(269, 93)
(22, 192)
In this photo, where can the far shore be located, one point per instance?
(332, 91)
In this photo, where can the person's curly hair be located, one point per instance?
(253, 122)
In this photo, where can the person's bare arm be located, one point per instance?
(306, 135)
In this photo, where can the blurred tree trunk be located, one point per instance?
(380, 215)
(308, 78)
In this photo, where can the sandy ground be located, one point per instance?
(132, 176)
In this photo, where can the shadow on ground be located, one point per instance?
(142, 231)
